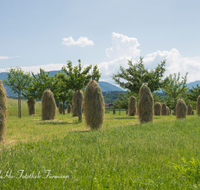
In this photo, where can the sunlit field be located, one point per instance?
(66, 154)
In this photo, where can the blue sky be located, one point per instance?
(47, 33)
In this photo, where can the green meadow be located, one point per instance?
(66, 154)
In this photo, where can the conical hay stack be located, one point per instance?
(145, 106)
(3, 112)
(158, 109)
(94, 106)
(164, 109)
(114, 111)
(31, 106)
(168, 110)
(69, 107)
(198, 106)
(192, 112)
(60, 107)
(181, 109)
(48, 105)
(75, 103)
(189, 109)
(132, 106)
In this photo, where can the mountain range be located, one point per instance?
(105, 86)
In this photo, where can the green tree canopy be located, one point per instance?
(17, 80)
(133, 77)
(175, 88)
(194, 93)
(79, 77)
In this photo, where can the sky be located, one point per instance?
(46, 33)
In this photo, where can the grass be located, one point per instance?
(122, 155)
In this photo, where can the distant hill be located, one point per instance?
(194, 84)
(105, 86)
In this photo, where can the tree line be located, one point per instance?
(75, 78)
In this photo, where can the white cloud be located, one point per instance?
(6, 57)
(82, 42)
(175, 63)
(122, 46)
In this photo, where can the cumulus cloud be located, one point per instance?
(82, 42)
(175, 63)
(7, 57)
(122, 46)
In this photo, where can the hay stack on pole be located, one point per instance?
(3, 112)
(48, 105)
(158, 109)
(60, 108)
(31, 106)
(189, 109)
(75, 104)
(181, 109)
(192, 112)
(94, 106)
(69, 107)
(145, 106)
(164, 109)
(132, 106)
(198, 106)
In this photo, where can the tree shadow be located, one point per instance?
(57, 123)
(130, 117)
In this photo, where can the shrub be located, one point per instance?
(145, 106)
(48, 105)
(94, 106)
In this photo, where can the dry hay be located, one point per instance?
(114, 111)
(48, 105)
(31, 106)
(3, 112)
(132, 106)
(69, 107)
(198, 106)
(181, 109)
(145, 106)
(75, 102)
(60, 107)
(158, 109)
(168, 110)
(164, 109)
(192, 112)
(189, 109)
(94, 106)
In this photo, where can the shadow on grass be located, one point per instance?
(57, 123)
(130, 117)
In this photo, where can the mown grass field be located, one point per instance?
(65, 154)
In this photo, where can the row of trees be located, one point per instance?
(62, 84)
(76, 78)
(136, 74)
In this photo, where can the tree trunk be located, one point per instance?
(119, 111)
(19, 105)
(63, 107)
(79, 106)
